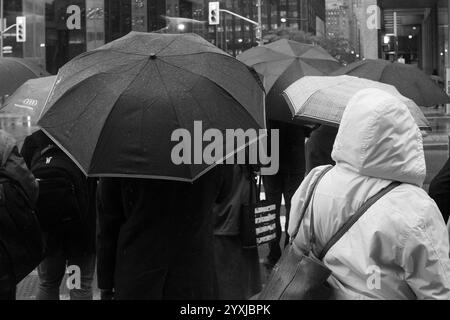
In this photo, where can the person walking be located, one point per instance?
(156, 238)
(283, 184)
(439, 190)
(237, 267)
(67, 212)
(319, 146)
(399, 249)
(18, 196)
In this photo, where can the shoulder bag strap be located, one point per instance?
(352, 220)
(308, 200)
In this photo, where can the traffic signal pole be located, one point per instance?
(257, 24)
(214, 17)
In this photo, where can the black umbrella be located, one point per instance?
(409, 80)
(114, 109)
(282, 63)
(15, 71)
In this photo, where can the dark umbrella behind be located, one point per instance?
(15, 71)
(114, 109)
(283, 62)
(409, 80)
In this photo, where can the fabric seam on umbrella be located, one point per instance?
(203, 76)
(115, 101)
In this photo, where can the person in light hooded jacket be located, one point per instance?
(399, 249)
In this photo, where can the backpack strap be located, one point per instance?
(308, 200)
(352, 220)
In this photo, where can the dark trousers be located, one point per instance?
(275, 186)
(51, 273)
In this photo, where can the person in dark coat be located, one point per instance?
(319, 146)
(237, 268)
(12, 168)
(156, 238)
(64, 249)
(440, 190)
(287, 180)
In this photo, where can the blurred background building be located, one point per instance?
(58, 30)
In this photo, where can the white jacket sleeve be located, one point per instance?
(298, 200)
(426, 256)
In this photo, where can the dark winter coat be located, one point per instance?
(440, 190)
(237, 268)
(12, 167)
(156, 237)
(80, 241)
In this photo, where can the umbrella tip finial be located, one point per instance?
(152, 56)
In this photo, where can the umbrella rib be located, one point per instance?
(115, 101)
(175, 66)
(179, 122)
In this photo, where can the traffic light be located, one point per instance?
(213, 13)
(21, 29)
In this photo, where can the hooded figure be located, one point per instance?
(399, 249)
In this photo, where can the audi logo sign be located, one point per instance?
(30, 102)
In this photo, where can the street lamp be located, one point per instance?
(283, 20)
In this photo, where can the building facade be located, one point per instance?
(58, 30)
(338, 20)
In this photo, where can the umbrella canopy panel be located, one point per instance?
(114, 109)
(283, 62)
(14, 72)
(409, 80)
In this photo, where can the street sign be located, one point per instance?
(214, 13)
(21, 29)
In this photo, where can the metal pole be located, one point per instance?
(1, 28)
(259, 4)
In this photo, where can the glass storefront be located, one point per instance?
(58, 30)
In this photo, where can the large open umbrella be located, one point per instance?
(323, 99)
(29, 99)
(281, 63)
(409, 80)
(15, 71)
(115, 109)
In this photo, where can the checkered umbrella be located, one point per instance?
(323, 99)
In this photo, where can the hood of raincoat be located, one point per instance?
(379, 138)
(13, 166)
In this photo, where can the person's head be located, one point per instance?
(378, 137)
